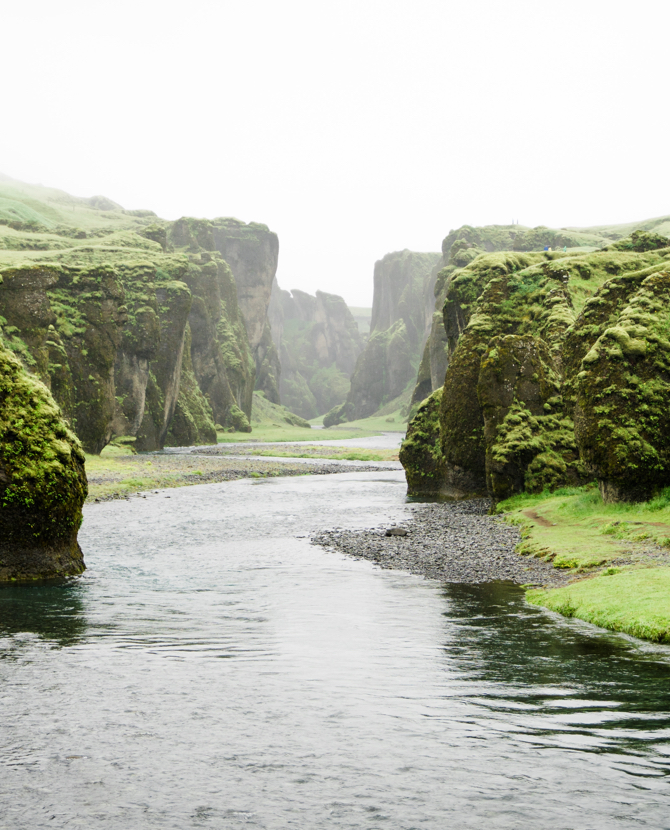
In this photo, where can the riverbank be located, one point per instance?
(117, 474)
(454, 542)
(616, 557)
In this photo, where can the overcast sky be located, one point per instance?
(350, 128)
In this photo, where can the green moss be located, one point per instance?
(421, 451)
(42, 480)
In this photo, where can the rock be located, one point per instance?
(396, 531)
(622, 420)
(401, 318)
(523, 364)
(421, 451)
(42, 480)
(319, 343)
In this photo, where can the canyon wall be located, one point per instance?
(402, 308)
(318, 342)
(139, 327)
(558, 369)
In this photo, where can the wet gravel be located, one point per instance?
(451, 542)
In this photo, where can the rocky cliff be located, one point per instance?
(42, 480)
(401, 315)
(462, 246)
(318, 341)
(556, 375)
(135, 325)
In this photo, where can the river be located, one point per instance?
(213, 669)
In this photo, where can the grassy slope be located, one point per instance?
(617, 553)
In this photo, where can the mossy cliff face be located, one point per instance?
(622, 417)
(421, 454)
(461, 247)
(539, 339)
(529, 441)
(220, 353)
(401, 318)
(319, 343)
(42, 480)
(251, 251)
(102, 316)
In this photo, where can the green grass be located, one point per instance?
(264, 432)
(315, 451)
(617, 555)
(636, 602)
(273, 433)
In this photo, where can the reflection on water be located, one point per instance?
(52, 610)
(217, 670)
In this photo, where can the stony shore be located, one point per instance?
(451, 542)
(119, 477)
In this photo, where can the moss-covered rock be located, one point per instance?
(42, 480)
(421, 453)
(530, 443)
(622, 419)
(522, 331)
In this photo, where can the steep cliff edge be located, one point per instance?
(556, 375)
(42, 480)
(401, 317)
(112, 314)
(318, 342)
(252, 252)
(462, 246)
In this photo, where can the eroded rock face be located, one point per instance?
(421, 453)
(622, 418)
(42, 480)
(537, 395)
(319, 343)
(529, 440)
(401, 318)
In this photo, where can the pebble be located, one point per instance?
(451, 542)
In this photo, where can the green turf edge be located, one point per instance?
(635, 602)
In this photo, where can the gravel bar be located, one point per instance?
(451, 542)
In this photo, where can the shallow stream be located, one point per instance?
(214, 669)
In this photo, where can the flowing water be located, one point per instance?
(212, 669)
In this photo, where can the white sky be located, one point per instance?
(350, 128)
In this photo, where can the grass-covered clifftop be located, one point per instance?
(462, 246)
(112, 309)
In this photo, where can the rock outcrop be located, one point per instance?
(462, 246)
(42, 480)
(139, 327)
(557, 369)
(318, 342)
(401, 315)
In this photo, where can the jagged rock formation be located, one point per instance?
(318, 342)
(401, 316)
(134, 324)
(557, 372)
(462, 246)
(42, 480)
(252, 252)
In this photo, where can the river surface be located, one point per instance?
(212, 669)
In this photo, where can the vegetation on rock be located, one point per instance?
(556, 372)
(42, 480)
(112, 309)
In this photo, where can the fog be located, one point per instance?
(350, 128)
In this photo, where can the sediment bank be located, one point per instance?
(451, 542)
(118, 476)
